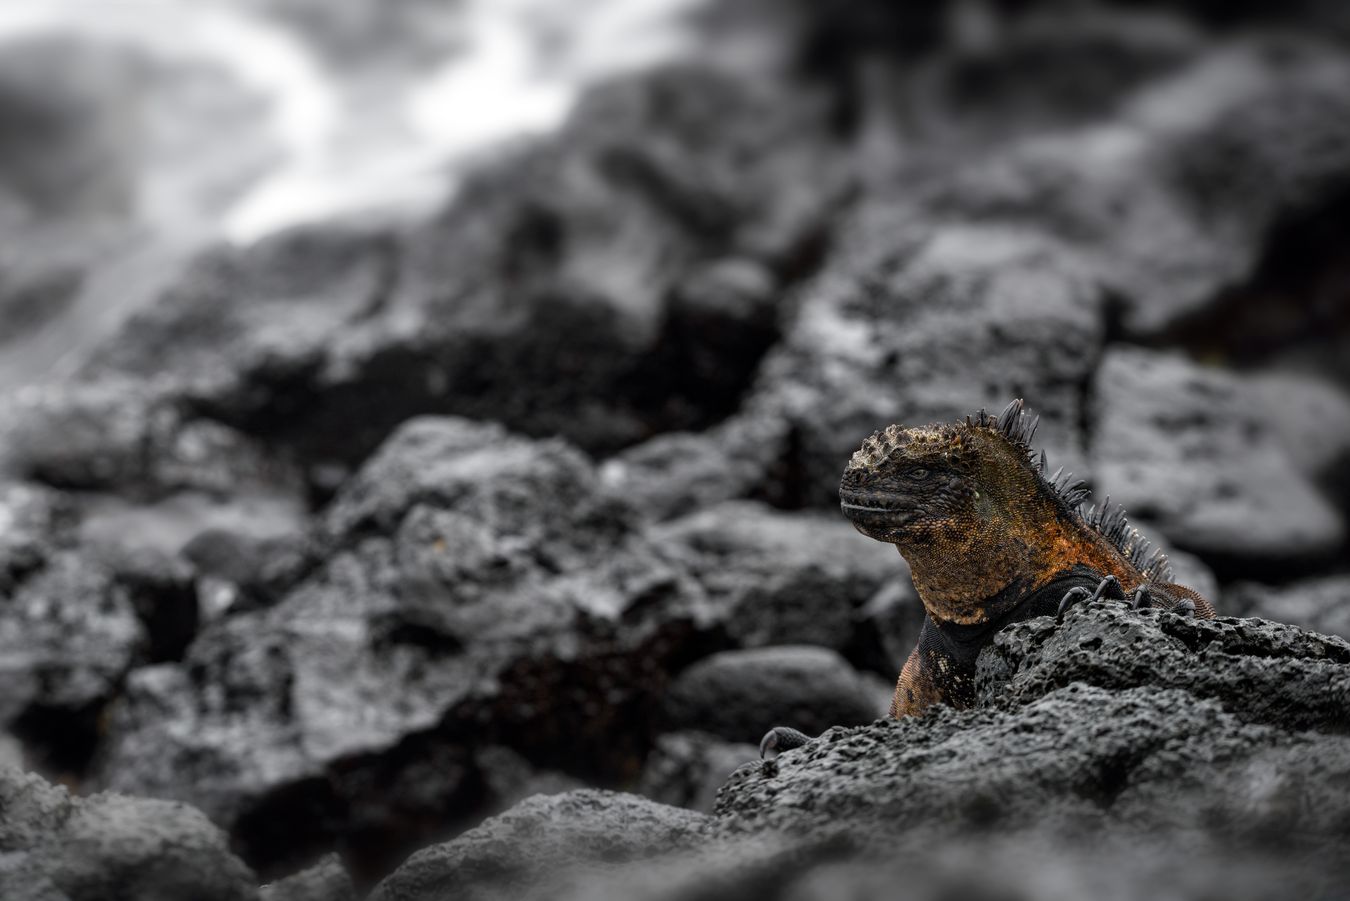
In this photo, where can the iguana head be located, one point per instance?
(969, 506)
(906, 485)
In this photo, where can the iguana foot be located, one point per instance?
(780, 739)
(1183, 607)
(1142, 599)
(1106, 588)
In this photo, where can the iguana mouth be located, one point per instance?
(871, 511)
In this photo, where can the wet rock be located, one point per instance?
(680, 472)
(144, 480)
(741, 695)
(124, 437)
(1004, 78)
(1311, 418)
(1171, 788)
(989, 867)
(33, 520)
(1259, 671)
(508, 778)
(1147, 204)
(68, 148)
(30, 297)
(686, 769)
(68, 636)
(472, 588)
(112, 848)
(1085, 758)
(526, 845)
(1186, 448)
(251, 570)
(324, 881)
(162, 590)
(1272, 141)
(243, 326)
(662, 196)
(781, 578)
(1320, 604)
(886, 628)
(983, 865)
(1211, 136)
(926, 325)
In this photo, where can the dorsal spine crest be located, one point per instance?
(1109, 520)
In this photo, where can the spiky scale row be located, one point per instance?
(878, 446)
(1108, 519)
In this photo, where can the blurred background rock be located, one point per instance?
(410, 407)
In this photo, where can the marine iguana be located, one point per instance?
(990, 540)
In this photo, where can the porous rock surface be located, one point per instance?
(108, 847)
(366, 532)
(1053, 774)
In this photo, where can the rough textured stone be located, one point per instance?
(324, 881)
(33, 519)
(1321, 604)
(1259, 671)
(65, 150)
(113, 848)
(928, 324)
(475, 589)
(677, 473)
(150, 473)
(886, 628)
(68, 636)
(1185, 448)
(537, 841)
(660, 190)
(686, 769)
(1077, 758)
(781, 578)
(741, 695)
(236, 569)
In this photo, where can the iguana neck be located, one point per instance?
(975, 571)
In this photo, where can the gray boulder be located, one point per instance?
(537, 842)
(471, 589)
(677, 473)
(33, 521)
(922, 319)
(686, 769)
(653, 230)
(781, 578)
(326, 880)
(741, 695)
(68, 636)
(111, 848)
(1321, 604)
(1186, 448)
(66, 148)
(1259, 671)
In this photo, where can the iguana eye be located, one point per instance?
(918, 474)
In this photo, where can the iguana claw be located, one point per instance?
(780, 739)
(1071, 597)
(1183, 607)
(1108, 587)
(1142, 598)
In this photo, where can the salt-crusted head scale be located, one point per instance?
(891, 478)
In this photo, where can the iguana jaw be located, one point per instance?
(883, 517)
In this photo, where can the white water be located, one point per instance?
(351, 140)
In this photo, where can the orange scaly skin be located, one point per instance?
(990, 540)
